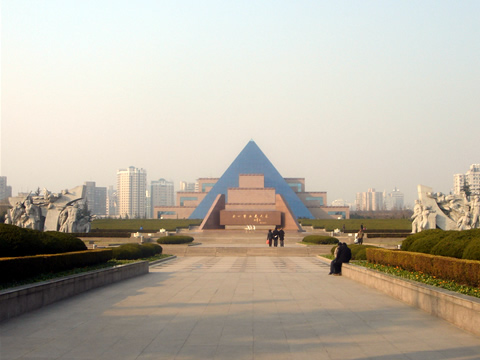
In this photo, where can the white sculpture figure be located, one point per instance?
(62, 220)
(33, 215)
(16, 214)
(465, 222)
(417, 217)
(428, 219)
(476, 212)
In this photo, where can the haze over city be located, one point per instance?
(348, 95)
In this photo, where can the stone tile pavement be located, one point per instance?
(234, 308)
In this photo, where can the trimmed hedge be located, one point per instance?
(466, 272)
(16, 242)
(445, 243)
(18, 268)
(472, 250)
(105, 234)
(136, 251)
(359, 252)
(148, 225)
(320, 239)
(175, 239)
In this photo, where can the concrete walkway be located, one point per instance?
(234, 308)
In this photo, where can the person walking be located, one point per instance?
(275, 237)
(281, 236)
(270, 237)
(360, 237)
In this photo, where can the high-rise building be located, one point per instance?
(5, 190)
(470, 178)
(369, 201)
(96, 198)
(162, 193)
(394, 200)
(131, 192)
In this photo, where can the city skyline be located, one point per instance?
(350, 96)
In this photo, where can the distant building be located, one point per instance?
(131, 192)
(187, 186)
(340, 202)
(162, 193)
(5, 190)
(394, 200)
(369, 201)
(471, 177)
(251, 187)
(96, 198)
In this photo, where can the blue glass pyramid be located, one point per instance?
(252, 160)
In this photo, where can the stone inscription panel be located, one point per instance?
(238, 217)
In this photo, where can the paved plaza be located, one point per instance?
(234, 308)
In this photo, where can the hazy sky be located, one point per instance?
(350, 95)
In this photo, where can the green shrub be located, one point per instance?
(451, 246)
(149, 250)
(127, 252)
(16, 242)
(472, 250)
(175, 239)
(136, 251)
(320, 239)
(424, 243)
(359, 252)
(411, 239)
(57, 242)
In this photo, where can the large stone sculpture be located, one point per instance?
(447, 212)
(66, 211)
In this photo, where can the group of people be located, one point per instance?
(342, 254)
(273, 237)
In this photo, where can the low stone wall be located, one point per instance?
(19, 300)
(460, 310)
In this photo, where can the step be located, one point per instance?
(218, 251)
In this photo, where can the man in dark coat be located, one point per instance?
(344, 256)
(281, 236)
(270, 237)
(334, 264)
(275, 237)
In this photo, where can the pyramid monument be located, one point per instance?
(251, 161)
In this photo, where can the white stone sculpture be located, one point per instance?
(447, 212)
(65, 212)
